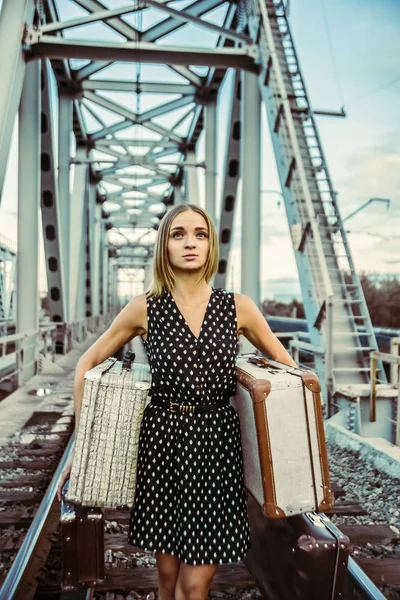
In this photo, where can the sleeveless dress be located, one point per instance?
(190, 497)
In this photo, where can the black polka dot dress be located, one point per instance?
(190, 497)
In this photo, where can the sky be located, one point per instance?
(348, 53)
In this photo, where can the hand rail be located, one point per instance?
(43, 341)
(391, 359)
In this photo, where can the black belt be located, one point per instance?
(159, 400)
(188, 408)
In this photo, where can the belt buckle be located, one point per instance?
(171, 404)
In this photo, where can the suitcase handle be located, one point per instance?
(260, 361)
(127, 360)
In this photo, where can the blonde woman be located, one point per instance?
(190, 503)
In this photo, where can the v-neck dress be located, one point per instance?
(190, 496)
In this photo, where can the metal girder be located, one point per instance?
(137, 143)
(78, 257)
(91, 69)
(28, 213)
(192, 179)
(185, 16)
(251, 187)
(115, 23)
(93, 17)
(13, 18)
(50, 207)
(165, 108)
(172, 24)
(145, 87)
(229, 192)
(65, 112)
(53, 47)
(188, 74)
(211, 158)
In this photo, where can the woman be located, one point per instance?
(190, 504)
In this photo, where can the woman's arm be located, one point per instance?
(130, 322)
(252, 324)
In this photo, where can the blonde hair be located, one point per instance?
(163, 276)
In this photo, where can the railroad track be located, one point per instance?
(30, 547)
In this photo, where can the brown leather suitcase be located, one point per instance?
(282, 432)
(303, 557)
(82, 543)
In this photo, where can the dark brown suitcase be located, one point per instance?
(82, 543)
(303, 557)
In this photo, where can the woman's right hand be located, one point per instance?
(65, 473)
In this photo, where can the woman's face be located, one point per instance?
(188, 241)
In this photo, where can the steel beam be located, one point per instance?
(230, 185)
(172, 24)
(49, 46)
(121, 27)
(65, 107)
(186, 17)
(93, 17)
(251, 183)
(145, 87)
(50, 206)
(192, 179)
(105, 273)
(28, 214)
(77, 262)
(211, 158)
(13, 17)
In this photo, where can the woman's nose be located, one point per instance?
(190, 241)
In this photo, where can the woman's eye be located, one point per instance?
(201, 233)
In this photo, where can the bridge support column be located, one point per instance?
(78, 255)
(192, 180)
(251, 187)
(211, 159)
(178, 196)
(13, 17)
(251, 192)
(64, 191)
(28, 216)
(105, 272)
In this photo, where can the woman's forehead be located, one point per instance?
(190, 219)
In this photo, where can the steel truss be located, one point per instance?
(139, 153)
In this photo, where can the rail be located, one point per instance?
(360, 587)
(14, 582)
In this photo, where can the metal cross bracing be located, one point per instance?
(134, 153)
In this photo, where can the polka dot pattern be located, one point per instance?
(190, 498)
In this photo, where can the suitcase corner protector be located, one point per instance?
(311, 382)
(327, 502)
(272, 511)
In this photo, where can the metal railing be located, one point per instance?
(394, 360)
(31, 347)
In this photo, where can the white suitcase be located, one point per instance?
(104, 465)
(283, 440)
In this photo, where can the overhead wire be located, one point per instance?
(330, 46)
